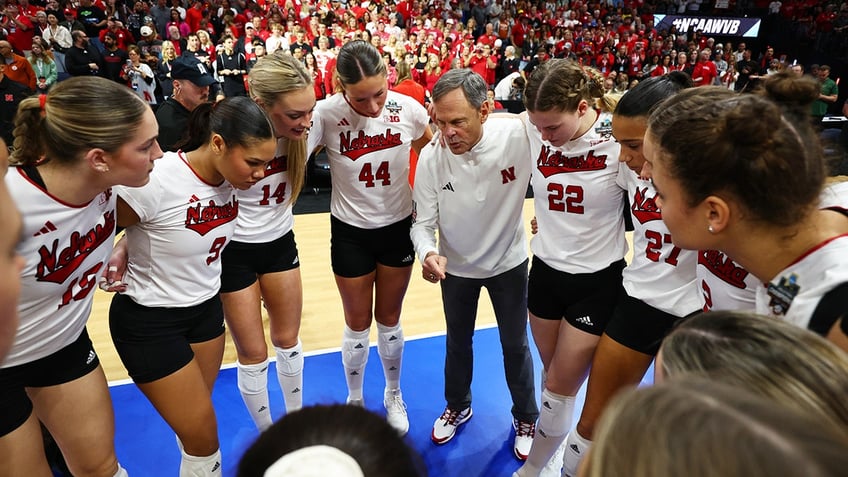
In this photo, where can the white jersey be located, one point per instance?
(185, 223)
(660, 274)
(265, 210)
(834, 196)
(794, 293)
(578, 203)
(369, 158)
(475, 201)
(65, 248)
(725, 285)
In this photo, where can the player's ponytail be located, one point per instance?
(77, 115)
(28, 133)
(238, 120)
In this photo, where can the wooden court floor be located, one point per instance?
(323, 320)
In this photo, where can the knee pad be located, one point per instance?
(390, 341)
(290, 360)
(252, 378)
(121, 472)
(194, 466)
(355, 348)
(555, 414)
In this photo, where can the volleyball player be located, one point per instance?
(573, 288)
(11, 263)
(168, 326)
(66, 165)
(368, 132)
(261, 264)
(660, 285)
(760, 201)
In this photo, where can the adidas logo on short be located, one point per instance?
(91, 357)
(574, 448)
(216, 466)
(296, 259)
(448, 186)
(585, 320)
(547, 405)
(407, 259)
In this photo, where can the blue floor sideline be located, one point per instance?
(483, 447)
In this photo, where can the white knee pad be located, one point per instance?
(290, 360)
(390, 341)
(355, 348)
(194, 466)
(252, 378)
(555, 414)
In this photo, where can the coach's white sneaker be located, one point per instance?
(445, 426)
(524, 432)
(396, 411)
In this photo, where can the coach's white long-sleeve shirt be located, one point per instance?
(475, 201)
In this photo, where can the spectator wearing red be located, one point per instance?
(488, 37)
(18, 68)
(123, 37)
(704, 73)
(21, 31)
(194, 15)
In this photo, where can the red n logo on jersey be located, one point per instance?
(508, 175)
(57, 265)
(203, 218)
(362, 144)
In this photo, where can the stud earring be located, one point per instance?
(710, 229)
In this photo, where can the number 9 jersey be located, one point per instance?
(369, 158)
(175, 248)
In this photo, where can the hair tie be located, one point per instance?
(314, 461)
(42, 100)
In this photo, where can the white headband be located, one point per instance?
(315, 461)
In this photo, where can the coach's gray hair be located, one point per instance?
(472, 84)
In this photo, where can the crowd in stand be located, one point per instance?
(135, 43)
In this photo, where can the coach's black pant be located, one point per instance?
(508, 292)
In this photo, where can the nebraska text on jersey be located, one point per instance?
(363, 144)
(203, 218)
(554, 162)
(277, 165)
(723, 267)
(57, 265)
(645, 208)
